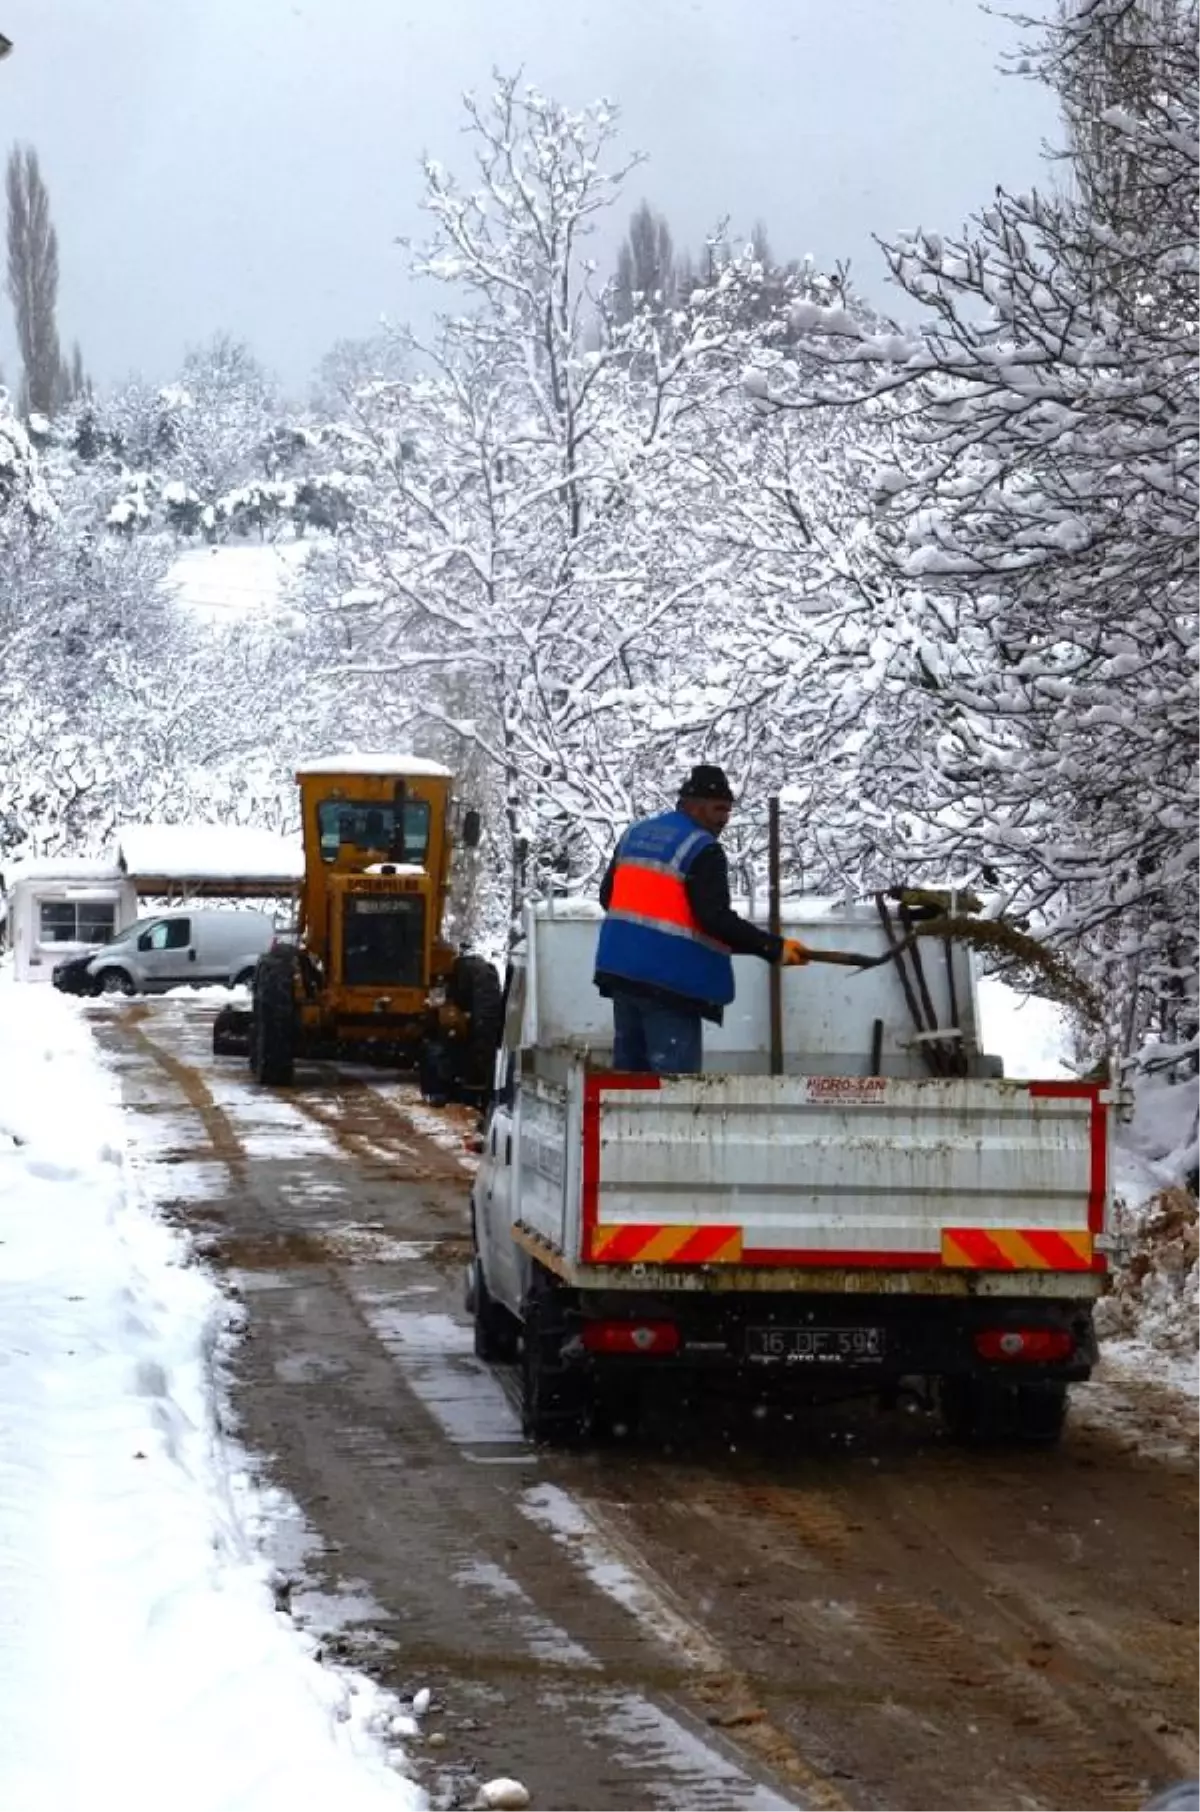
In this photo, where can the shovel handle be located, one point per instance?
(846, 958)
(849, 959)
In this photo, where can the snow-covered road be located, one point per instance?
(722, 1614)
(143, 1661)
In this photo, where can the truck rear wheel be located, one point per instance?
(556, 1396)
(474, 988)
(1040, 1411)
(273, 1028)
(981, 1411)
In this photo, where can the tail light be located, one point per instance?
(647, 1337)
(1025, 1345)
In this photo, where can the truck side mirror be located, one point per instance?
(472, 829)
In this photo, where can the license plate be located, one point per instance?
(814, 1346)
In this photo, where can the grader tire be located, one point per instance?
(474, 987)
(273, 1032)
(231, 1032)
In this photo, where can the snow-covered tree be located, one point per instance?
(577, 548)
(33, 282)
(1038, 520)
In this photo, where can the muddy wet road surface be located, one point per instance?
(833, 1610)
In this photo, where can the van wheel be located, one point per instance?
(116, 981)
(556, 1396)
(244, 980)
(982, 1411)
(497, 1332)
(273, 1027)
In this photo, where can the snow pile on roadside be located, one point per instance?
(143, 1662)
(1156, 1278)
(1154, 1289)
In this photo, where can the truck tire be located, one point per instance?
(273, 1027)
(1039, 1412)
(983, 1411)
(556, 1396)
(115, 981)
(474, 988)
(497, 1332)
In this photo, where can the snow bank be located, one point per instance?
(143, 1661)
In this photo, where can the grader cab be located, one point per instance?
(371, 976)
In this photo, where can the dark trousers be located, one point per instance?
(650, 1037)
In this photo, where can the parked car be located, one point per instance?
(201, 948)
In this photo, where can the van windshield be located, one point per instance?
(130, 931)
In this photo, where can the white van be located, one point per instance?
(204, 948)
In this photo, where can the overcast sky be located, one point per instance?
(248, 164)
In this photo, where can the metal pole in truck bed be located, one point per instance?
(774, 973)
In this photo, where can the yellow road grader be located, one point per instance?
(370, 975)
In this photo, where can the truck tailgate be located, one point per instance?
(832, 1170)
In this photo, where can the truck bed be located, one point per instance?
(945, 1185)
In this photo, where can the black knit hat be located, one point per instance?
(706, 783)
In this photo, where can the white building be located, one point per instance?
(62, 906)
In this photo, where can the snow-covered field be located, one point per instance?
(237, 578)
(143, 1662)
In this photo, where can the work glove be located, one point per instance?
(794, 952)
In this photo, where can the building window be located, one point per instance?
(77, 921)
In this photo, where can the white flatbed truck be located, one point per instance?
(852, 1225)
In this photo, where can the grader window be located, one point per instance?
(371, 825)
(384, 941)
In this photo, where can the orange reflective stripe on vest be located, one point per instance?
(656, 896)
(651, 893)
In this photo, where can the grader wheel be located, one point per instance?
(274, 1028)
(474, 987)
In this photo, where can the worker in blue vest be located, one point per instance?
(665, 952)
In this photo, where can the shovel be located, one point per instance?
(850, 959)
